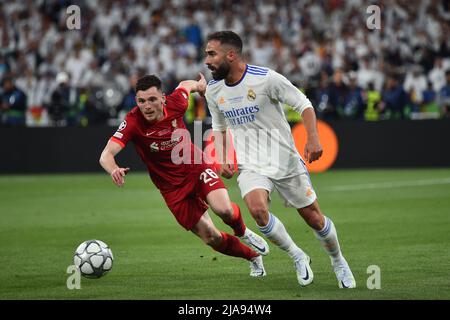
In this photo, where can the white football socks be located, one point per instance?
(277, 234)
(329, 240)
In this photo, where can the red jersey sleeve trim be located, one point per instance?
(184, 89)
(118, 142)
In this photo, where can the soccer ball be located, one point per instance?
(94, 258)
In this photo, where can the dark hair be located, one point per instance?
(6, 79)
(148, 81)
(227, 37)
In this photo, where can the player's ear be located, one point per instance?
(163, 98)
(231, 55)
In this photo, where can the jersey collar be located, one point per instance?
(240, 80)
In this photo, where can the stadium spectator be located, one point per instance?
(61, 107)
(394, 99)
(337, 91)
(368, 74)
(354, 104)
(437, 75)
(78, 63)
(415, 84)
(429, 95)
(374, 107)
(321, 97)
(129, 100)
(193, 34)
(4, 68)
(13, 104)
(444, 97)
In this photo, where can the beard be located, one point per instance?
(221, 72)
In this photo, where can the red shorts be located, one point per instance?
(188, 202)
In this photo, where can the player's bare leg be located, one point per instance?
(258, 204)
(228, 244)
(220, 203)
(230, 213)
(327, 235)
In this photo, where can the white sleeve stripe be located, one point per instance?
(301, 109)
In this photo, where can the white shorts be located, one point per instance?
(296, 191)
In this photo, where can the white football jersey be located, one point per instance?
(253, 111)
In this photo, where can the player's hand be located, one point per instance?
(313, 150)
(227, 170)
(201, 85)
(118, 175)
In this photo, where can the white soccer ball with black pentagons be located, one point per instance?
(94, 258)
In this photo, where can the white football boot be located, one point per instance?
(344, 275)
(304, 272)
(257, 267)
(255, 242)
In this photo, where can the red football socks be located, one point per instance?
(231, 246)
(236, 223)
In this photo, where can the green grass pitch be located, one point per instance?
(398, 220)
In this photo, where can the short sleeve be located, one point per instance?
(282, 90)
(179, 99)
(218, 120)
(124, 132)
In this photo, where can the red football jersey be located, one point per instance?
(155, 142)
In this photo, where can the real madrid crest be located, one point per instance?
(251, 95)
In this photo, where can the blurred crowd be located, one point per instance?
(54, 76)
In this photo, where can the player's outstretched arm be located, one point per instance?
(194, 86)
(313, 149)
(226, 170)
(108, 162)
